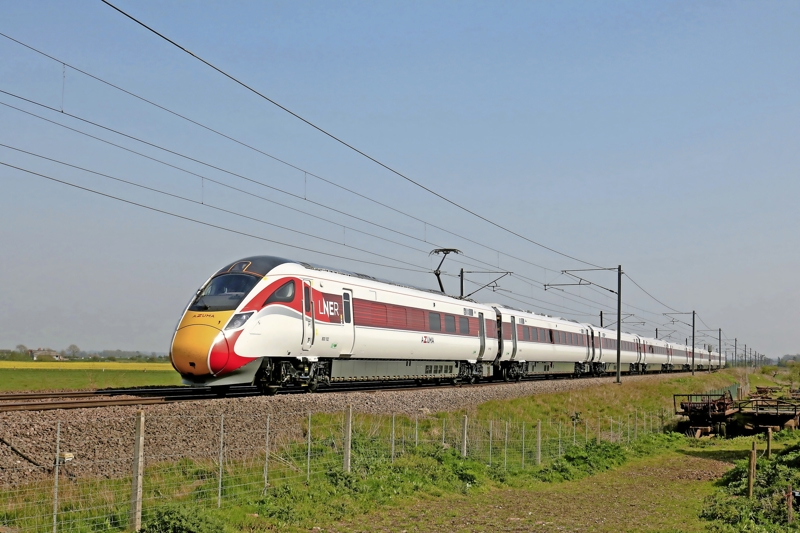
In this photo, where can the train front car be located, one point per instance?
(207, 348)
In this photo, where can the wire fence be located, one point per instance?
(240, 458)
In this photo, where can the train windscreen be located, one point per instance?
(225, 292)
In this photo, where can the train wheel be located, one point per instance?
(472, 380)
(271, 390)
(312, 386)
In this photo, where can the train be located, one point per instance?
(275, 323)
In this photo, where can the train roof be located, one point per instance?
(263, 264)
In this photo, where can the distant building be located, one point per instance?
(35, 354)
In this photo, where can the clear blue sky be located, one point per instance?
(662, 136)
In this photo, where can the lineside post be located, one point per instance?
(490, 443)
(790, 505)
(464, 438)
(135, 517)
(308, 453)
(751, 473)
(266, 458)
(221, 459)
(539, 442)
(523, 445)
(393, 439)
(505, 450)
(769, 443)
(348, 435)
(55, 481)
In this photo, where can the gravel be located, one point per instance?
(101, 439)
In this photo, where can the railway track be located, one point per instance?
(45, 401)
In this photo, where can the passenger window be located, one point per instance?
(307, 297)
(449, 323)
(284, 293)
(346, 301)
(463, 325)
(434, 322)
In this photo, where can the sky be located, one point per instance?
(660, 136)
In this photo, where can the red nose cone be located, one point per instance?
(218, 357)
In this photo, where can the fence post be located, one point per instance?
(523, 445)
(599, 428)
(574, 430)
(751, 474)
(612, 427)
(308, 453)
(464, 438)
(266, 458)
(135, 519)
(586, 438)
(393, 439)
(490, 443)
(559, 438)
(769, 443)
(790, 505)
(55, 482)
(416, 431)
(444, 429)
(348, 435)
(636, 424)
(539, 442)
(629, 429)
(505, 450)
(221, 459)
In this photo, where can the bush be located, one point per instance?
(182, 519)
(732, 511)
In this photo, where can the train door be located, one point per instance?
(482, 333)
(309, 324)
(585, 336)
(349, 331)
(590, 345)
(513, 337)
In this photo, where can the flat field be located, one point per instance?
(36, 376)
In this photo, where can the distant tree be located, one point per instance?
(73, 350)
(21, 348)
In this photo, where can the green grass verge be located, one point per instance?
(35, 379)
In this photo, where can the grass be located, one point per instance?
(96, 378)
(652, 485)
(84, 365)
(647, 494)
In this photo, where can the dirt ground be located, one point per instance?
(656, 494)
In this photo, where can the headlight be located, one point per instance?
(238, 320)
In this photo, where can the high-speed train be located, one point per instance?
(273, 323)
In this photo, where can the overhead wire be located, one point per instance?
(197, 221)
(350, 146)
(606, 306)
(277, 189)
(210, 206)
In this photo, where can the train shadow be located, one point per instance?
(725, 456)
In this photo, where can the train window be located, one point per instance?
(526, 333)
(284, 293)
(434, 322)
(563, 337)
(225, 292)
(449, 323)
(307, 297)
(463, 325)
(346, 306)
(427, 369)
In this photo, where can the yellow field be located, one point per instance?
(85, 365)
